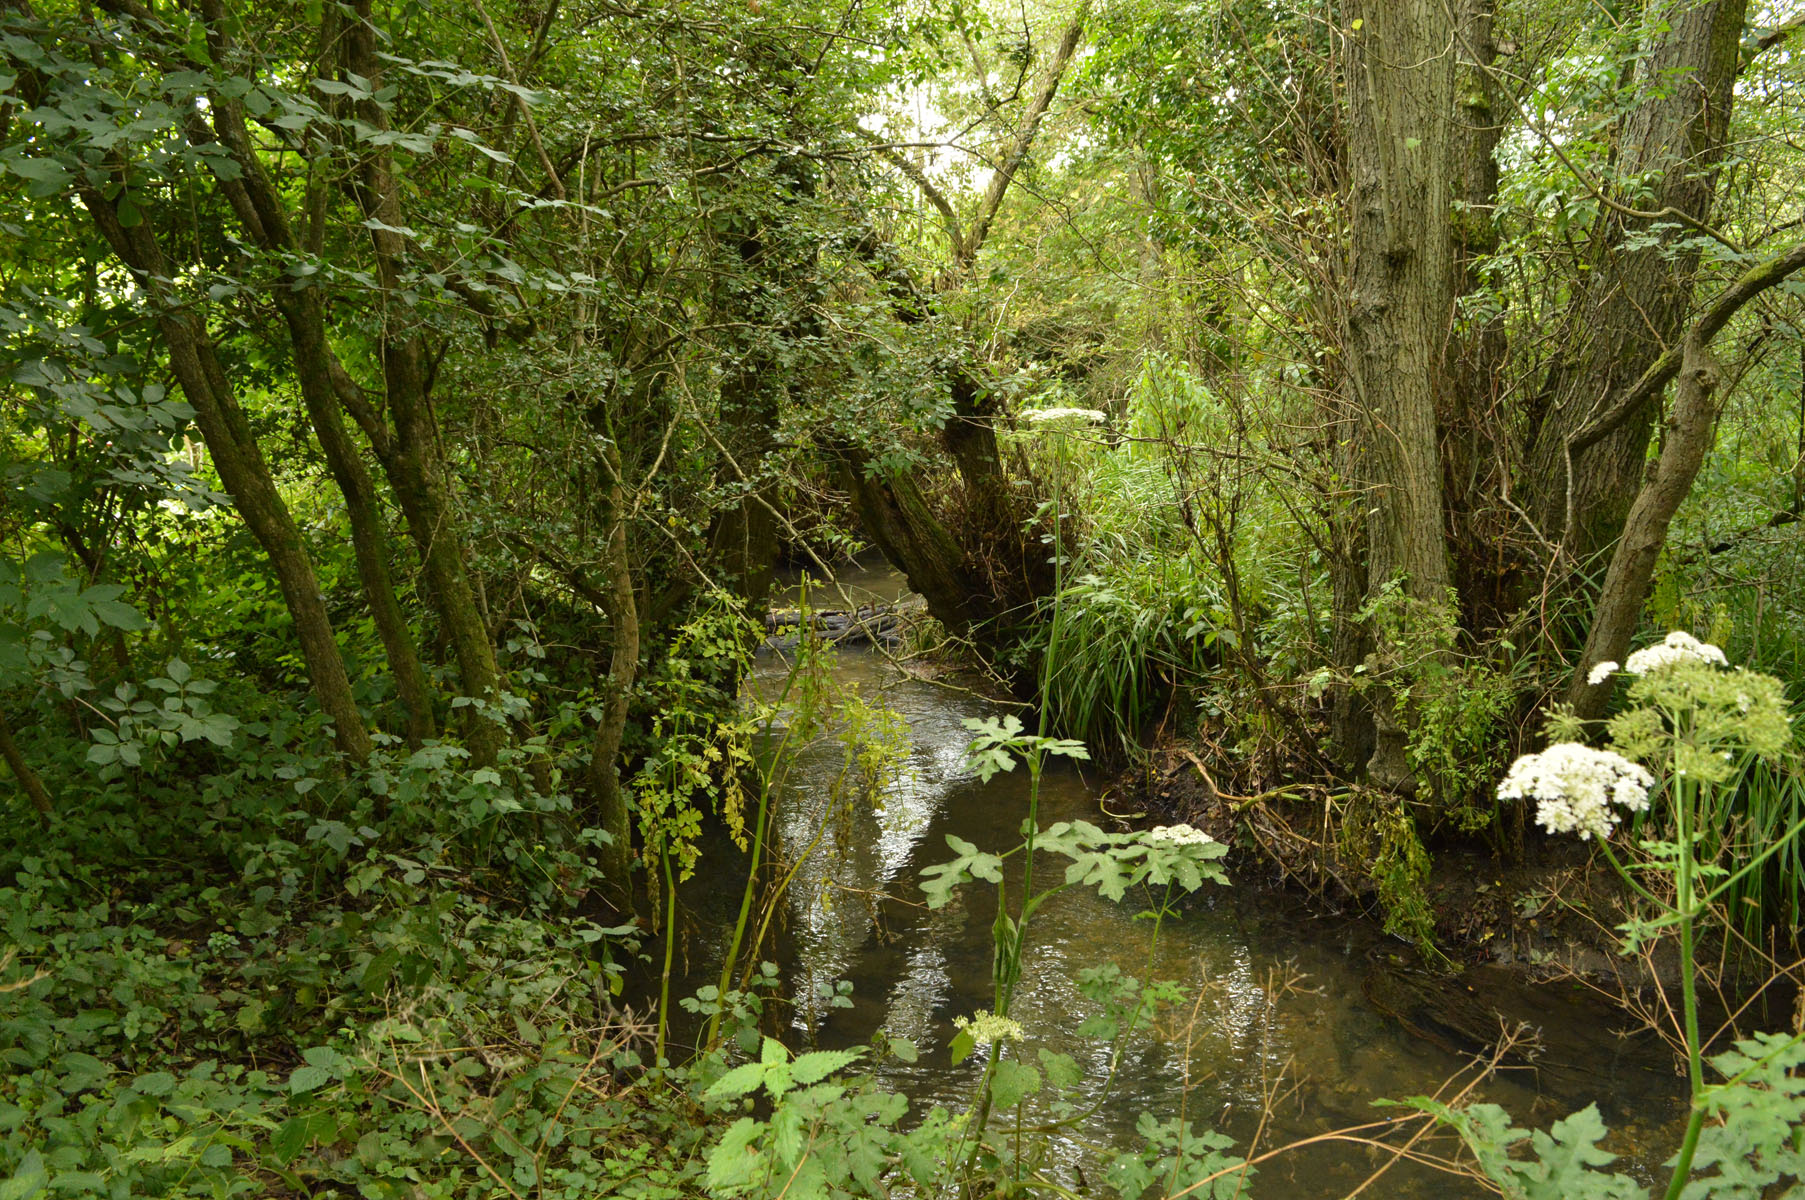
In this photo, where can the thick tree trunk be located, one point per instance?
(1350, 638)
(264, 216)
(369, 540)
(1400, 82)
(903, 524)
(1637, 299)
(1475, 429)
(1688, 438)
(236, 455)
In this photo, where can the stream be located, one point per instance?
(1276, 996)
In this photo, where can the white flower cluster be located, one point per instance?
(1678, 646)
(986, 1027)
(1182, 835)
(1574, 787)
(1064, 416)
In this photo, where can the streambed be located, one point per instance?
(1277, 997)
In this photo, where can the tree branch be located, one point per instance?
(1024, 140)
(1756, 280)
(934, 195)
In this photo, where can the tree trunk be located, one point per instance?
(1400, 82)
(1688, 437)
(1475, 429)
(266, 222)
(369, 540)
(1644, 533)
(613, 813)
(241, 467)
(903, 524)
(1636, 302)
(28, 780)
(410, 457)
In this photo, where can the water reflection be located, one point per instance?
(1274, 1021)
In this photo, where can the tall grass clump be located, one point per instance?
(1118, 644)
(1745, 819)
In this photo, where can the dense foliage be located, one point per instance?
(405, 411)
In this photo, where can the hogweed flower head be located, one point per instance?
(1063, 417)
(1677, 647)
(986, 1027)
(1575, 787)
(1182, 835)
(1601, 672)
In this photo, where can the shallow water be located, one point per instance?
(1274, 995)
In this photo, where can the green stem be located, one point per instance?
(1685, 904)
(745, 913)
(975, 1130)
(1623, 873)
(670, 946)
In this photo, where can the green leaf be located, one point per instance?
(741, 1080)
(940, 880)
(157, 1083)
(289, 1140)
(819, 1064)
(307, 1079)
(1013, 1082)
(1062, 1070)
(29, 1181)
(120, 615)
(734, 1164)
(46, 175)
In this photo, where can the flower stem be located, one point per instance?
(1686, 910)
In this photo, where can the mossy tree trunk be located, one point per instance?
(194, 361)
(408, 448)
(1400, 86)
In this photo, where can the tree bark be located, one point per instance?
(1475, 429)
(28, 780)
(1688, 438)
(239, 460)
(1400, 83)
(265, 219)
(613, 813)
(408, 455)
(369, 540)
(1636, 302)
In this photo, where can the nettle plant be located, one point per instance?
(813, 1132)
(1689, 728)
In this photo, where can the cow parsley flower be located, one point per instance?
(1574, 787)
(1678, 647)
(986, 1027)
(1601, 672)
(1182, 835)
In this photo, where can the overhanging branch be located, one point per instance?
(1757, 279)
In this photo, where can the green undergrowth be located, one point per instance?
(235, 967)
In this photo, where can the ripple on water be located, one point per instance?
(1275, 1006)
